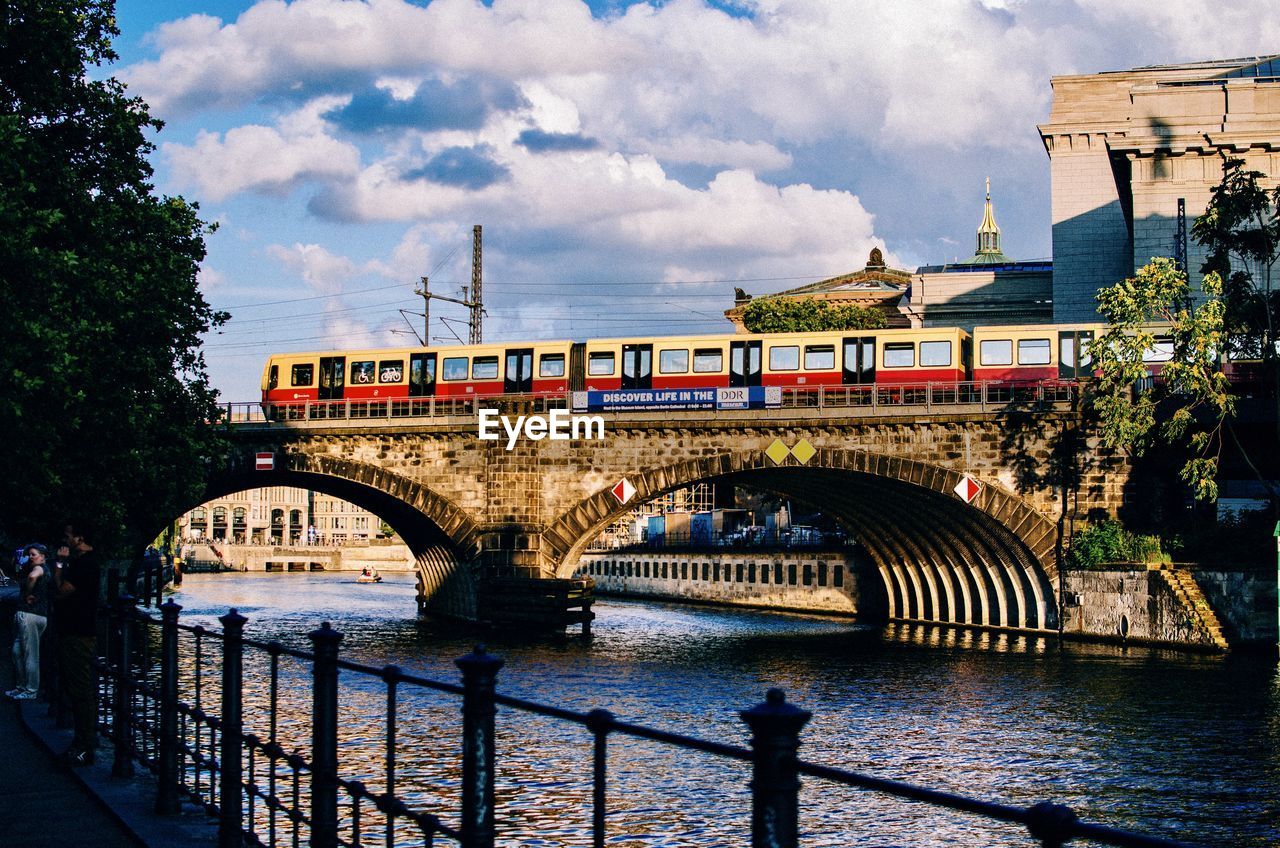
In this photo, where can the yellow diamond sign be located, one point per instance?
(803, 451)
(777, 451)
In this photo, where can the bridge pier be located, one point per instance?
(511, 550)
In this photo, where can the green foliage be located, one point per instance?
(1193, 398)
(1108, 542)
(801, 315)
(104, 396)
(1240, 230)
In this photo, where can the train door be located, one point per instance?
(744, 363)
(1074, 360)
(859, 360)
(518, 379)
(577, 358)
(333, 376)
(422, 374)
(637, 366)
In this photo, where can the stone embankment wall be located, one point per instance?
(384, 557)
(818, 581)
(1141, 603)
(1245, 601)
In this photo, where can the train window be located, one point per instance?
(996, 352)
(708, 360)
(302, 375)
(784, 358)
(1033, 352)
(899, 355)
(273, 379)
(551, 365)
(819, 357)
(937, 354)
(1161, 350)
(391, 371)
(673, 361)
(600, 364)
(454, 368)
(362, 373)
(484, 368)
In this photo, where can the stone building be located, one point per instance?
(986, 288)
(279, 514)
(1127, 147)
(876, 286)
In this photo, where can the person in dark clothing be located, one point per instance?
(76, 610)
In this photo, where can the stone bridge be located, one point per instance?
(470, 509)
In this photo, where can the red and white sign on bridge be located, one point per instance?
(968, 488)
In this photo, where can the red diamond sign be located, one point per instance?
(264, 461)
(623, 490)
(967, 489)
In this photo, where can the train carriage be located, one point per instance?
(462, 371)
(1034, 352)
(794, 360)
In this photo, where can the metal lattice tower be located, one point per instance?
(477, 295)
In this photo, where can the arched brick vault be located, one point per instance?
(990, 563)
(443, 539)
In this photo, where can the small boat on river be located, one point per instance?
(369, 575)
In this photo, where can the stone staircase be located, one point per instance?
(1187, 591)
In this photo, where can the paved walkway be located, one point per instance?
(43, 803)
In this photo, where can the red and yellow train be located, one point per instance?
(1011, 354)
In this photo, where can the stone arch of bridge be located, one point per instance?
(442, 537)
(990, 563)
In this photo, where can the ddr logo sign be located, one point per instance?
(264, 462)
(967, 489)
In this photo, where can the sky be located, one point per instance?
(631, 163)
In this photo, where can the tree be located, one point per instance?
(792, 315)
(1192, 400)
(1240, 230)
(104, 396)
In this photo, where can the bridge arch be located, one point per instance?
(441, 536)
(990, 563)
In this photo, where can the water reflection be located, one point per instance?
(1177, 744)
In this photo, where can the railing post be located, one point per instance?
(775, 782)
(230, 755)
(167, 801)
(324, 739)
(121, 702)
(479, 678)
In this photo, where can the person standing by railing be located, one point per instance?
(76, 598)
(29, 623)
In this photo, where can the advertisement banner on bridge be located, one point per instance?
(655, 400)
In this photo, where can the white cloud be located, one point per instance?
(323, 270)
(258, 158)
(753, 156)
(914, 72)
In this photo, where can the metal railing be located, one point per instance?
(158, 710)
(748, 540)
(934, 397)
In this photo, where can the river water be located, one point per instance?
(1172, 744)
